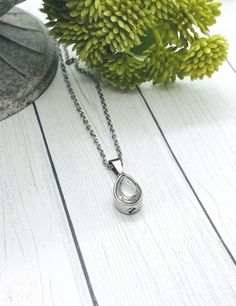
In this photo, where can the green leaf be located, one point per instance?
(146, 41)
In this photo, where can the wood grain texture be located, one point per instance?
(166, 255)
(199, 121)
(38, 262)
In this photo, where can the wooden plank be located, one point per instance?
(38, 261)
(199, 121)
(166, 255)
(153, 258)
(226, 25)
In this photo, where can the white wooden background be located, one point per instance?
(61, 240)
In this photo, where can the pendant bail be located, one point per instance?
(117, 167)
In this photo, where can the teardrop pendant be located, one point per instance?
(127, 192)
(127, 195)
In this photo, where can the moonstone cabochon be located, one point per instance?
(28, 61)
(127, 190)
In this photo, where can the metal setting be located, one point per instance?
(123, 206)
(117, 166)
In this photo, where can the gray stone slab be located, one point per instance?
(28, 60)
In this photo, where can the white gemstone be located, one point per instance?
(128, 191)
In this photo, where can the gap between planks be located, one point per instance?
(181, 168)
(148, 117)
(71, 226)
(63, 201)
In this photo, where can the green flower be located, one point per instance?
(162, 9)
(192, 14)
(164, 35)
(122, 70)
(128, 17)
(171, 34)
(99, 28)
(55, 9)
(180, 24)
(162, 65)
(204, 57)
(122, 24)
(200, 13)
(86, 10)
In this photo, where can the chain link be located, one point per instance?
(85, 121)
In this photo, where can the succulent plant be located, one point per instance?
(204, 57)
(132, 41)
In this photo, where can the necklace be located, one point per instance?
(127, 192)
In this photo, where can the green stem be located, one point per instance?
(157, 36)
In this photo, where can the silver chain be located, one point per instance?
(85, 121)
